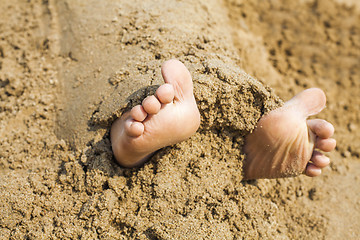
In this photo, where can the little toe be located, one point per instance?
(326, 145)
(312, 170)
(138, 113)
(320, 160)
(133, 128)
(165, 93)
(151, 105)
(321, 128)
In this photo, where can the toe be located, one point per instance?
(165, 93)
(326, 145)
(133, 128)
(151, 105)
(321, 128)
(138, 113)
(308, 102)
(312, 170)
(319, 160)
(175, 73)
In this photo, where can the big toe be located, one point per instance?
(308, 102)
(175, 73)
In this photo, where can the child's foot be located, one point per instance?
(168, 117)
(282, 145)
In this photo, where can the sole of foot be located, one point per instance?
(168, 117)
(284, 142)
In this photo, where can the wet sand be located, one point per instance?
(67, 70)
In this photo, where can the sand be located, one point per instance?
(68, 69)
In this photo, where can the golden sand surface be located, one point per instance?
(68, 68)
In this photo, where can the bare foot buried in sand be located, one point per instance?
(282, 145)
(165, 119)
